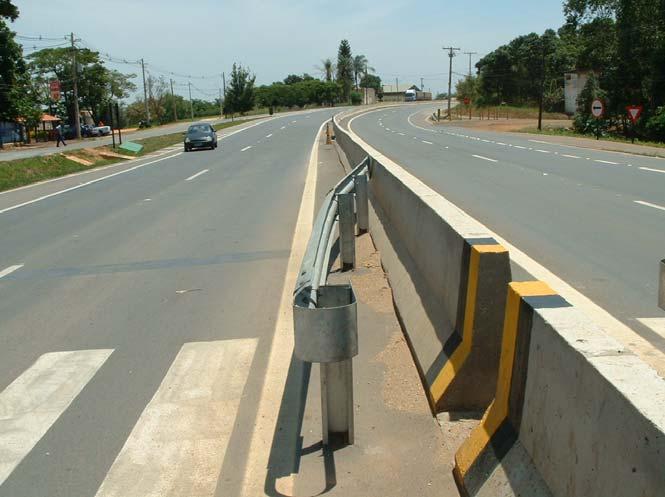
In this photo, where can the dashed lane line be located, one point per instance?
(246, 148)
(651, 169)
(193, 176)
(571, 156)
(649, 204)
(606, 162)
(10, 270)
(426, 142)
(484, 158)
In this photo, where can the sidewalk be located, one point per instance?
(399, 447)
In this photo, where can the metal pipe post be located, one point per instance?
(346, 231)
(361, 203)
(337, 402)
(661, 286)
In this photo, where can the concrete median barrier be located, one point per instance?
(575, 414)
(448, 277)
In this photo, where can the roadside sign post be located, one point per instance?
(634, 113)
(597, 111)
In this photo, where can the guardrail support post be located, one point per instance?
(661, 286)
(347, 234)
(362, 206)
(337, 401)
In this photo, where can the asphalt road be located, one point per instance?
(137, 310)
(596, 219)
(22, 153)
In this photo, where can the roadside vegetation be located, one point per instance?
(501, 112)
(618, 44)
(22, 172)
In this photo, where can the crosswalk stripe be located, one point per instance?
(178, 444)
(35, 400)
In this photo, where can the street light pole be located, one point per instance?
(451, 54)
(145, 93)
(191, 106)
(77, 115)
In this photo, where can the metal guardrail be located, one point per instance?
(325, 316)
(661, 286)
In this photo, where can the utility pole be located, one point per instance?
(396, 86)
(221, 107)
(145, 93)
(451, 54)
(542, 91)
(191, 107)
(77, 115)
(175, 110)
(422, 85)
(224, 87)
(366, 81)
(470, 54)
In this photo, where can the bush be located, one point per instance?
(655, 126)
(356, 98)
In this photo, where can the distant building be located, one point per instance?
(574, 83)
(393, 93)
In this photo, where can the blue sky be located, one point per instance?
(274, 38)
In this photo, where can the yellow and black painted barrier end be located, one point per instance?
(463, 376)
(498, 430)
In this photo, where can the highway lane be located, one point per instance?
(594, 218)
(137, 314)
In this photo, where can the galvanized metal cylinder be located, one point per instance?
(347, 230)
(362, 205)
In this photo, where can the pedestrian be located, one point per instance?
(60, 135)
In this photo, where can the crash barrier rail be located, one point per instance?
(572, 412)
(325, 316)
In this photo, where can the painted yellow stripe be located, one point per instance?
(498, 409)
(455, 362)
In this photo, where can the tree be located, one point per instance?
(360, 68)
(240, 93)
(327, 68)
(13, 71)
(345, 68)
(292, 78)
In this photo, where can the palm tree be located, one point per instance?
(327, 68)
(360, 68)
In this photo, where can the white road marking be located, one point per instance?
(87, 183)
(10, 270)
(401, 134)
(501, 143)
(649, 204)
(283, 127)
(484, 158)
(606, 162)
(268, 136)
(654, 324)
(651, 169)
(520, 147)
(540, 141)
(428, 143)
(279, 359)
(570, 156)
(387, 129)
(35, 400)
(196, 175)
(177, 446)
(246, 148)
(293, 122)
(542, 151)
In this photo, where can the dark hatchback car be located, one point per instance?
(200, 136)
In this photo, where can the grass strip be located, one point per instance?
(22, 172)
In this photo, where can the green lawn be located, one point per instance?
(21, 172)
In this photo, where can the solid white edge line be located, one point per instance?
(611, 325)
(87, 183)
(484, 158)
(651, 169)
(649, 204)
(197, 175)
(281, 346)
(10, 270)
